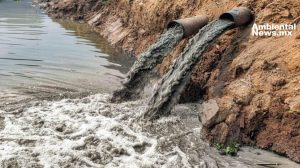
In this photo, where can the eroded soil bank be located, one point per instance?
(253, 83)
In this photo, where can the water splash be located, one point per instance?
(91, 132)
(87, 132)
(170, 87)
(139, 73)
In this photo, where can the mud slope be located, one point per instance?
(253, 82)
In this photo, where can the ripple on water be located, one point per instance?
(82, 133)
(36, 50)
(91, 132)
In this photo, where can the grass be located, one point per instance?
(231, 149)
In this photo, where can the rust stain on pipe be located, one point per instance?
(241, 16)
(190, 25)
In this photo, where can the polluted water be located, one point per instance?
(168, 89)
(140, 72)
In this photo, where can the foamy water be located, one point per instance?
(91, 132)
(36, 132)
(88, 132)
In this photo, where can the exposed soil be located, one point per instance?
(254, 81)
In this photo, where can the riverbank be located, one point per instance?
(253, 82)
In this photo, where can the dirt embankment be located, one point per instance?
(253, 82)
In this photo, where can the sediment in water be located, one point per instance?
(245, 64)
(91, 132)
(139, 73)
(170, 87)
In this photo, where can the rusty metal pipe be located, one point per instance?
(190, 25)
(241, 16)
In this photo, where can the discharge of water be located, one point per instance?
(139, 73)
(170, 87)
(92, 132)
(39, 130)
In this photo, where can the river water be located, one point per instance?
(49, 117)
(38, 52)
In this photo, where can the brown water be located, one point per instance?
(41, 58)
(168, 90)
(141, 71)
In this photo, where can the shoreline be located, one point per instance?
(252, 85)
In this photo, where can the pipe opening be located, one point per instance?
(173, 24)
(190, 26)
(227, 16)
(241, 16)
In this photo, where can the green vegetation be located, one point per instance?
(231, 149)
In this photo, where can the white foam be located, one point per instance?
(87, 132)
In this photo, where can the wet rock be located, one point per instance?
(208, 112)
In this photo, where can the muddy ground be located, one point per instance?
(253, 82)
